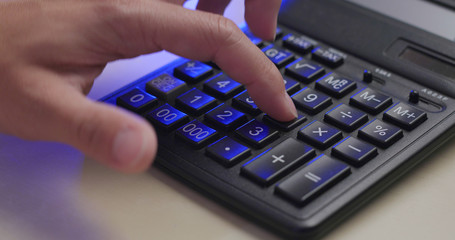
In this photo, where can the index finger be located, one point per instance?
(205, 36)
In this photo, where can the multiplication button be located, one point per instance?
(271, 165)
(405, 116)
(320, 135)
(380, 134)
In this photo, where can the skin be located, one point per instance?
(52, 50)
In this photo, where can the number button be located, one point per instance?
(196, 134)
(327, 57)
(297, 43)
(195, 101)
(227, 151)
(136, 100)
(222, 87)
(226, 117)
(311, 101)
(193, 71)
(381, 134)
(166, 86)
(244, 102)
(257, 133)
(167, 117)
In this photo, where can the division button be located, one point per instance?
(311, 181)
(380, 134)
(354, 151)
(370, 101)
(320, 135)
(346, 118)
(405, 116)
(273, 164)
(227, 151)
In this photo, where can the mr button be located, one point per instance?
(405, 116)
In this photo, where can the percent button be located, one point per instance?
(380, 134)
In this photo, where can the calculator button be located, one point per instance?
(311, 101)
(166, 86)
(226, 117)
(405, 116)
(222, 87)
(335, 86)
(371, 101)
(285, 126)
(167, 117)
(273, 164)
(309, 182)
(291, 85)
(346, 118)
(297, 43)
(354, 151)
(320, 135)
(195, 101)
(227, 151)
(304, 71)
(136, 100)
(193, 71)
(327, 57)
(380, 134)
(244, 102)
(196, 133)
(257, 133)
(277, 55)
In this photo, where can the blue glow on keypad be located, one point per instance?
(245, 98)
(136, 99)
(196, 131)
(222, 84)
(276, 55)
(228, 148)
(194, 69)
(225, 115)
(166, 115)
(166, 83)
(297, 41)
(195, 99)
(289, 83)
(255, 130)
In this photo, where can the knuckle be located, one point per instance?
(228, 31)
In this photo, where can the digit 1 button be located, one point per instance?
(227, 151)
(257, 133)
(222, 87)
(311, 181)
(195, 101)
(167, 117)
(136, 100)
(273, 164)
(196, 134)
(405, 116)
(226, 117)
(380, 134)
(354, 151)
(311, 101)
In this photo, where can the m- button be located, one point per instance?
(405, 116)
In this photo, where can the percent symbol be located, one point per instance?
(381, 131)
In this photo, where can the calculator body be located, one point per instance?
(367, 42)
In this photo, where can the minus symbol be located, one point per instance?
(354, 148)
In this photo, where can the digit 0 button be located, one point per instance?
(257, 133)
(136, 100)
(196, 134)
(273, 164)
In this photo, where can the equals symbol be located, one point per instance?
(313, 177)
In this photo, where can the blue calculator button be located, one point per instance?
(291, 85)
(196, 133)
(335, 85)
(227, 151)
(226, 117)
(257, 133)
(304, 70)
(193, 71)
(222, 86)
(320, 135)
(311, 101)
(167, 117)
(195, 101)
(327, 57)
(166, 86)
(136, 100)
(246, 103)
(297, 43)
(277, 55)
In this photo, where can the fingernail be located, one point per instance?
(128, 147)
(291, 106)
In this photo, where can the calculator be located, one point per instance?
(374, 95)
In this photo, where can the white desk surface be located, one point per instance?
(51, 191)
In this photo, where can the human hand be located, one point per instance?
(51, 51)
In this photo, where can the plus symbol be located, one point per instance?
(320, 132)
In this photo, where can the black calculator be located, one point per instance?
(372, 102)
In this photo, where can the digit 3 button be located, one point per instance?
(257, 133)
